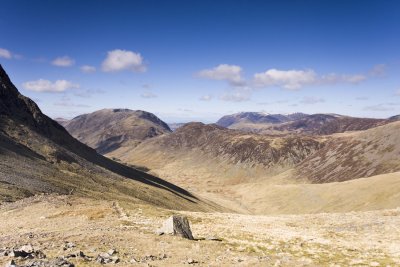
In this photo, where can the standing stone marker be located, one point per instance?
(176, 225)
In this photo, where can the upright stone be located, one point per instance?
(177, 225)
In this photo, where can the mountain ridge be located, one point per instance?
(108, 129)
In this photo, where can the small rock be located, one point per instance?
(112, 252)
(69, 245)
(191, 261)
(60, 262)
(104, 258)
(25, 251)
(176, 225)
(149, 258)
(114, 259)
(4, 252)
(76, 255)
(39, 254)
(11, 264)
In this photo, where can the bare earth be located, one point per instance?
(368, 238)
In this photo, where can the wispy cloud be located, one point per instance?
(236, 96)
(64, 61)
(378, 70)
(380, 107)
(88, 93)
(88, 69)
(119, 60)
(4, 53)
(206, 98)
(70, 104)
(148, 94)
(311, 100)
(42, 85)
(333, 78)
(273, 102)
(362, 98)
(229, 73)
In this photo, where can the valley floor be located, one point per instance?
(48, 222)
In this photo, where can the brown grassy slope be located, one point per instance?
(354, 155)
(220, 154)
(108, 129)
(38, 155)
(372, 193)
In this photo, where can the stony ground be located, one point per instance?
(66, 230)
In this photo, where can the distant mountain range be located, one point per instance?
(258, 117)
(315, 124)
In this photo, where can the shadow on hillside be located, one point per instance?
(91, 155)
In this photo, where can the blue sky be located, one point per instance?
(199, 60)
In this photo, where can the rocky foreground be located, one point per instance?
(52, 230)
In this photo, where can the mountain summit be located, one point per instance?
(109, 129)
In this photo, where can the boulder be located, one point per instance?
(176, 225)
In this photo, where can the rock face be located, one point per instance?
(177, 225)
(109, 129)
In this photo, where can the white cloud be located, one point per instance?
(64, 61)
(148, 95)
(42, 85)
(88, 69)
(205, 98)
(287, 79)
(230, 73)
(310, 100)
(397, 92)
(4, 53)
(296, 79)
(119, 60)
